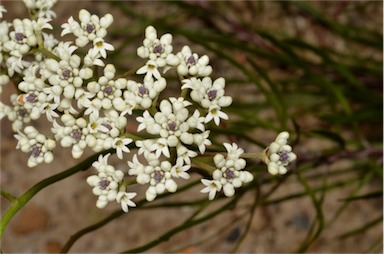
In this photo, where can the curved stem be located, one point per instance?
(7, 195)
(18, 203)
(48, 53)
(72, 240)
(130, 72)
(186, 224)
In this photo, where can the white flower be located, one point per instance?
(279, 154)
(150, 69)
(209, 95)
(185, 154)
(125, 199)
(156, 173)
(90, 28)
(202, 141)
(179, 170)
(161, 147)
(106, 183)
(120, 144)
(212, 186)
(159, 51)
(215, 114)
(73, 133)
(191, 65)
(146, 123)
(143, 94)
(101, 47)
(41, 7)
(229, 170)
(37, 144)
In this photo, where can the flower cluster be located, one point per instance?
(279, 154)
(70, 85)
(228, 174)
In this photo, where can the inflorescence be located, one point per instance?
(88, 108)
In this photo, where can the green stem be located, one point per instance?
(130, 72)
(186, 224)
(7, 195)
(18, 203)
(48, 53)
(72, 240)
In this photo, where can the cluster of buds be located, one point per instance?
(90, 110)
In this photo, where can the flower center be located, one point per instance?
(104, 184)
(212, 95)
(76, 134)
(283, 156)
(143, 90)
(89, 28)
(191, 60)
(158, 176)
(31, 98)
(66, 74)
(172, 126)
(22, 112)
(108, 90)
(36, 151)
(229, 174)
(99, 44)
(158, 49)
(20, 36)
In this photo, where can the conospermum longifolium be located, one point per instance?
(89, 109)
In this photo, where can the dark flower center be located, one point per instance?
(191, 60)
(143, 90)
(108, 90)
(104, 184)
(212, 95)
(229, 174)
(172, 126)
(76, 134)
(66, 74)
(22, 112)
(283, 156)
(158, 49)
(36, 151)
(158, 176)
(31, 98)
(90, 27)
(20, 36)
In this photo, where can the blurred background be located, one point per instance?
(312, 68)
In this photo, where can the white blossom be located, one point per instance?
(279, 154)
(193, 65)
(212, 186)
(229, 172)
(37, 144)
(158, 51)
(125, 199)
(106, 183)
